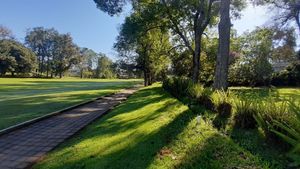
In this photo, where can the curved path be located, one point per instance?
(23, 147)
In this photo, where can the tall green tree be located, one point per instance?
(104, 69)
(146, 47)
(187, 19)
(41, 41)
(286, 11)
(65, 54)
(285, 45)
(16, 58)
(125, 68)
(221, 73)
(257, 52)
(87, 62)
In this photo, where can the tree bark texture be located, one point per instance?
(221, 72)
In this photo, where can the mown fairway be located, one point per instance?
(25, 99)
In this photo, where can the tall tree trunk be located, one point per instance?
(146, 78)
(81, 73)
(60, 75)
(196, 57)
(48, 65)
(42, 66)
(150, 79)
(221, 73)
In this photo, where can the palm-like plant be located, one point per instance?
(292, 132)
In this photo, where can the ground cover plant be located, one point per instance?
(24, 99)
(264, 114)
(152, 129)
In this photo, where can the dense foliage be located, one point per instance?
(278, 120)
(47, 53)
(288, 77)
(15, 58)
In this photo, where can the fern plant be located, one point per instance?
(244, 113)
(282, 120)
(222, 102)
(195, 90)
(292, 132)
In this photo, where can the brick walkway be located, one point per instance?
(23, 147)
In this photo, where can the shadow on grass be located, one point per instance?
(19, 106)
(255, 142)
(19, 110)
(143, 144)
(216, 152)
(37, 88)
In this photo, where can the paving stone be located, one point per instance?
(21, 148)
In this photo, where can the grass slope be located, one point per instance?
(24, 99)
(151, 130)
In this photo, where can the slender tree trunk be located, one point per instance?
(81, 73)
(42, 66)
(60, 75)
(47, 74)
(221, 73)
(150, 79)
(145, 78)
(48, 66)
(196, 57)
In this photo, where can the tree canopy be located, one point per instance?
(16, 58)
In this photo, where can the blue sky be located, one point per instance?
(88, 26)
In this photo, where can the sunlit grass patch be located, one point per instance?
(151, 130)
(22, 99)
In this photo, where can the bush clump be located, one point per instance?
(222, 102)
(288, 77)
(291, 133)
(201, 95)
(271, 111)
(245, 110)
(177, 86)
(195, 91)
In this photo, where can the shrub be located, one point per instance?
(291, 133)
(223, 107)
(177, 86)
(168, 83)
(269, 112)
(288, 77)
(195, 91)
(222, 102)
(205, 99)
(181, 85)
(201, 95)
(244, 114)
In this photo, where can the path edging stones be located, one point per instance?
(29, 122)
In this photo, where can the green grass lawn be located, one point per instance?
(154, 130)
(24, 99)
(279, 94)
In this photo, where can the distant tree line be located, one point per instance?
(47, 53)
